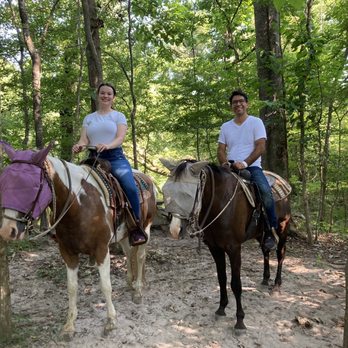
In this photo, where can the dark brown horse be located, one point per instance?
(216, 204)
(84, 218)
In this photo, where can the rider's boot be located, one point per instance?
(271, 240)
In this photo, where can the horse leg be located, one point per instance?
(69, 327)
(220, 262)
(140, 268)
(280, 257)
(139, 272)
(105, 284)
(128, 251)
(266, 271)
(236, 285)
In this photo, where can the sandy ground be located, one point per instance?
(181, 297)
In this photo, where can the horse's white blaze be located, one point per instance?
(175, 227)
(9, 226)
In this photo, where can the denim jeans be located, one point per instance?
(259, 178)
(122, 171)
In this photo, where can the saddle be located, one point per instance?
(280, 190)
(113, 193)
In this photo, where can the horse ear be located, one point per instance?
(168, 164)
(10, 151)
(196, 168)
(40, 156)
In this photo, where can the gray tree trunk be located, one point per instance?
(5, 294)
(345, 336)
(271, 86)
(36, 66)
(92, 24)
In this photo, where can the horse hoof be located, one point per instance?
(67, 336)
(265, 282)
(110, 325)
(239, 332)
(220, 313)
(137, 299)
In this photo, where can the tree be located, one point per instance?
(345, 338)
(271, 89)
(92, 25)
(36, 66)
(5, 293)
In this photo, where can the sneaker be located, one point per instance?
(137, 237)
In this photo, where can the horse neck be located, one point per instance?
(59, 174)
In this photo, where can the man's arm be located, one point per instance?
(221, 153)
(259, 149)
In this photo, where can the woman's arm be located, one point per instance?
(82, 143)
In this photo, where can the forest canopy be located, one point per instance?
(174, 65)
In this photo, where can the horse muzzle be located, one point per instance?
(175, 227)
(11, 227)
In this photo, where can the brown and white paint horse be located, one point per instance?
(85, 224)
(219, 211)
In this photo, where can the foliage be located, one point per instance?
(187, 57)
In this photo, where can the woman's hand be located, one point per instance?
(102, 147)
(78, 148)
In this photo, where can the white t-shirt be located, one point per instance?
(102, 129)
(240, 139)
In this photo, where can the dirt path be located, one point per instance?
(181, 298)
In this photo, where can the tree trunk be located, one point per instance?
(92, 24)
(303, 75)
(36, 73)
(131, 84)
(324, 158)
(271, 87)
(5, 294)
(24, 87)
(345, 336)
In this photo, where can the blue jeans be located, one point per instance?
(259, 178)
(122, 171)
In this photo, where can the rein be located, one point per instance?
(68, 202)
(197, 229)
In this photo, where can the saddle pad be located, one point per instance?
(280, 187)
(143, 187)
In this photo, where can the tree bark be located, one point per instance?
(5, 293)
(36, 73)
(345, 336)
(301, 92)
(92, 24)
(271, 86)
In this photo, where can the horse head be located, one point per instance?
(25, 193)
(179, 191)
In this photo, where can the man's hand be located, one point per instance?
(240, 165)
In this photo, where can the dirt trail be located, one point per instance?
(181, 297)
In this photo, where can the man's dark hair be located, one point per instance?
(238, 92)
